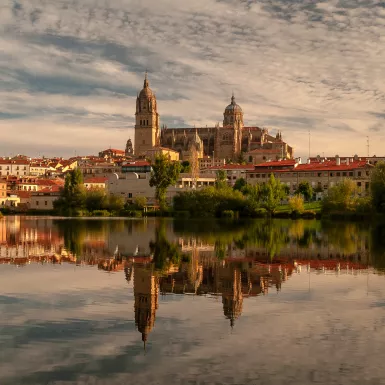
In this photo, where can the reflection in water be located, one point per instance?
(230, 260)
(197, 294)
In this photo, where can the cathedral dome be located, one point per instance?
(233, 106)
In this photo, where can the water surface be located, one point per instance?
(191, 302)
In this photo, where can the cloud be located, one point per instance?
(294, 66)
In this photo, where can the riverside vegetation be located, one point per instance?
(221, 200)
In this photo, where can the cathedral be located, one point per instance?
(232, 140)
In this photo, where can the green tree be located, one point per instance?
(341, 197)
(140, 202)
(305, 189)
(115, 203)
(239, 184)
(72, 199)
(96, 199)
(164, 174)
(185, 167)
(221, 179)
(377, 187)
(272, 194)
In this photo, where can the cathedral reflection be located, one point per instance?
(161, 258)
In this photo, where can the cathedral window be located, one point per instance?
(147, 122)
(140, 122)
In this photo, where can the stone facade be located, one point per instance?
(146, 120)
(231, 141)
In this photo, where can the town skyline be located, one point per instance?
(70, 86)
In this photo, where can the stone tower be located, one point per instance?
(146, 120)
(129, 151)
(231, 133)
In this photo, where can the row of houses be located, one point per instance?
(130, 179)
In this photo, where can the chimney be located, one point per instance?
(338, 161)
(308, 161)
(347, 161)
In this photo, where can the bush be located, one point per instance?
(296, 204)
(228, 214)
(309, 214)
(131, 213)
(181, 214)
(101, 213)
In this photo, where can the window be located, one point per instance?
(351, 173)
(144, 142)
(338, 174)
(147, 122)
(140, 122)
(344, 174)
(130, 195)
(37, 203)
(46, 203)
(359, 173)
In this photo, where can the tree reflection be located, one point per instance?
(165, 253)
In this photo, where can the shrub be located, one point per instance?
(296, 204)
(228, 214)
(100, 213)
(182, 214)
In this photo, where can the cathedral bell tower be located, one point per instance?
(146, 120)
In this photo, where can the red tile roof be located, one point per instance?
(278, 163)
(96, 180)
(233, 167)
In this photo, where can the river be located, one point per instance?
(151, 301)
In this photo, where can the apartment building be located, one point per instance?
(19, 167)
(321, 174)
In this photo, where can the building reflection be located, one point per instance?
(232, 265)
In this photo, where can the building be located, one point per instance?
(139, 167)
(19, 167)
(230, 141)
(152, 153)
(320, 174)
(112, 153)
(233, 171)
(3, 192)
(207, 162)
(95, 183)
(45, 198)
(131, 185)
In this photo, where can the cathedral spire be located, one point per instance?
(145, 84)
(232, 98)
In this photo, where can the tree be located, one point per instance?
(239, 184)
(272, 194)
(377, 187)
(342, 197)
(140, 202)
(164, 174)
(221, 179)
(185, 167)
(96, 199)
(305, 189)
(72, 198)
(115, 203)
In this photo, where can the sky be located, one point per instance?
(70, 70)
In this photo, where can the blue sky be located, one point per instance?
(70, 70)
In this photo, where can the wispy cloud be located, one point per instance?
(294, 66)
